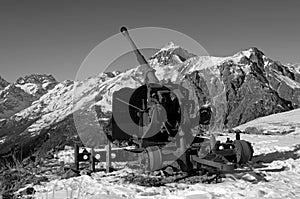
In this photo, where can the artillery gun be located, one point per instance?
(154, 119)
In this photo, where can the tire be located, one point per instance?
(244, 151)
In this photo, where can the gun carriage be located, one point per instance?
(154, 119)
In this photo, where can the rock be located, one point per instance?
(157, 173)
(171, 55)
(13, 99)
(36, 84)
(255, 86)
(252, 130)
(48, 173)
(249, 178)
(86, 172)
(169, 171)
(30, 191)
(3, 83)
(27, 191)
(66, 148)
(69, 174)
(40, 179)
(49, 156)
(110, 74)
(27, 161)
(249, 96)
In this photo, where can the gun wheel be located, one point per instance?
(151, 158)
(244, 151)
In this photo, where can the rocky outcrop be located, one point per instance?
(20, 95)
(255, 85)
(170, 54)
(36, 84)
(250, 96)
(3, 83)
(12, 100)
(285, 80)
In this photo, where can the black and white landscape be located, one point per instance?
(262, 97)
(246, 70)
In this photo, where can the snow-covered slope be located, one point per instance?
(281, 123)
(273, 173)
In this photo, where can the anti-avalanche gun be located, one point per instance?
(152, 119)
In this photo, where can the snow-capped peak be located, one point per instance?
(36, 79)
(36, 84)
(250, 51)
(169, 46)
(170, 54)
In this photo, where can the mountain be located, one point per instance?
(255, 85)
(36, 84)
(241, 87)
(19, 95)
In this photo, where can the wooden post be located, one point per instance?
(108, 156)
(76, 153)
(92, 160)
(237, 135)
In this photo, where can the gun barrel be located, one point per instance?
(150, 77)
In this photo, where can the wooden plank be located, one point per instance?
(92, 160)
(76, 153)
(108, 157)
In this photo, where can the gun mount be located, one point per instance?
(154, 119)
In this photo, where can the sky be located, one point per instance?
(55, 36)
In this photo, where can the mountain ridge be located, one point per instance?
(253, 85)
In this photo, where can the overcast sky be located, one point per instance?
(54, 37)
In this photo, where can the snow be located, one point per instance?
(288, 121)
(54, 106)
(276, 151)
(2, 139)
(5, 91)
(281, 184)
(168, 47)
(67, 98)
(56, 103)
(29, 88)
(275, 173)
(294, 67)
(293, 84)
